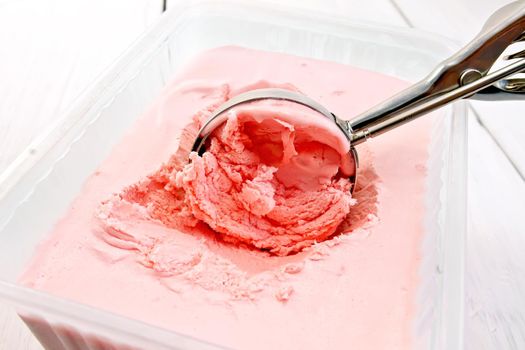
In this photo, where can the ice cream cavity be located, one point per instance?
(270, 178)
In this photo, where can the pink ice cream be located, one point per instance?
(205, 248)
(271, 178)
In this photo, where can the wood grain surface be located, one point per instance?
(51, 50)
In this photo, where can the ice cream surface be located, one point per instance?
(257, 243)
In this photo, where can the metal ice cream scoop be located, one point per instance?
(470, 73)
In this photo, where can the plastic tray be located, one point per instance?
(38, 187)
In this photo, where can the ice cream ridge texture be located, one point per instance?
(260, 242)
(271, 178)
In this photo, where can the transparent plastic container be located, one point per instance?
(37, 188)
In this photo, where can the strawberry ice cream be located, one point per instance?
(271, 178)
(258, 243)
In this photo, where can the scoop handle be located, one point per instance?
(460, 76)
(404, 116)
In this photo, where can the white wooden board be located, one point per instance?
(50, 50)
